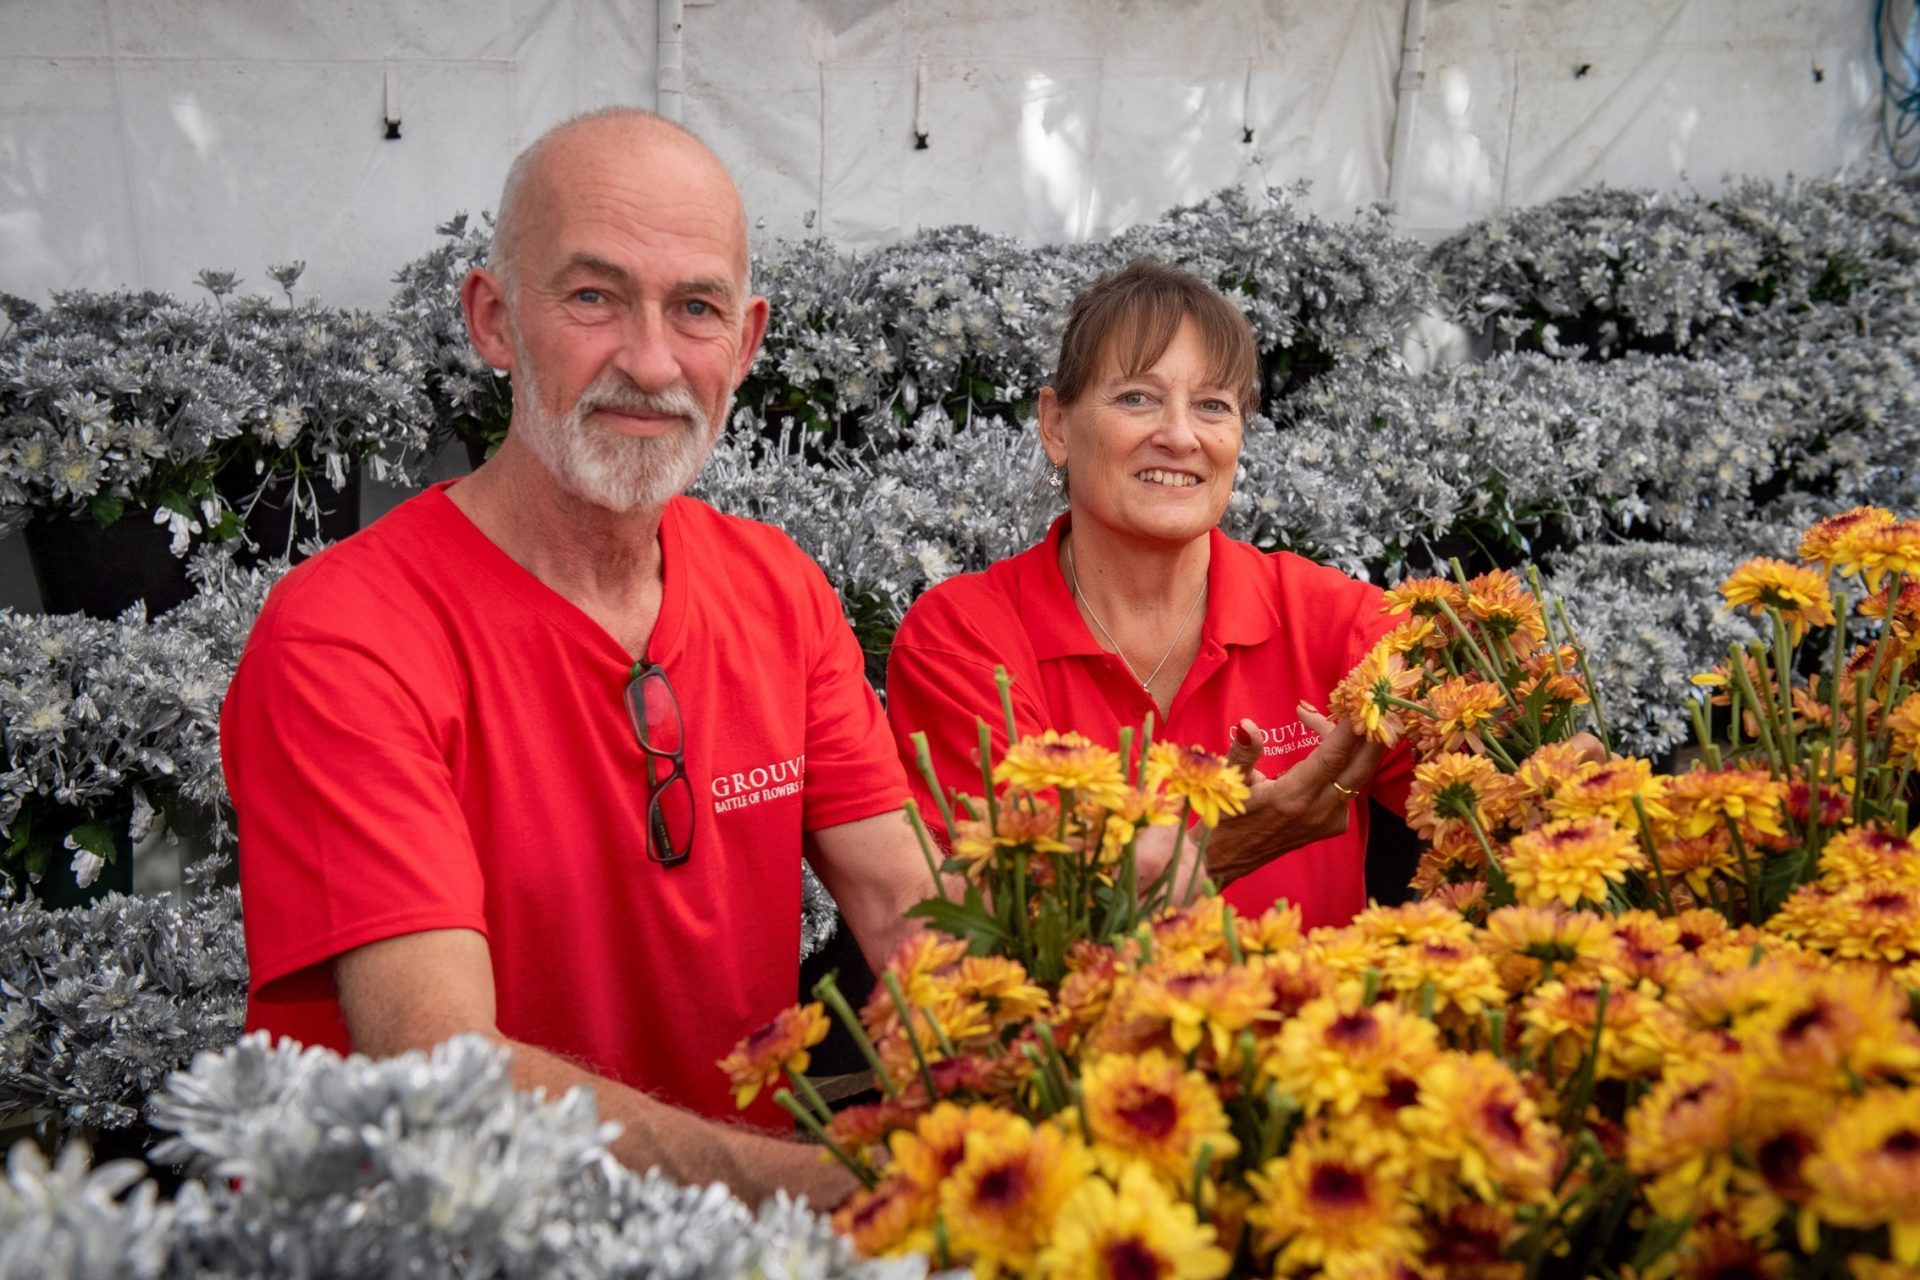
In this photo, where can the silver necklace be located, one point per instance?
(1073, 580)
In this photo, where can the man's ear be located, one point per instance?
(1053, 427)
(753, 328)
(483, 299)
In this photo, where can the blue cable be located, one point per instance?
(1899, 85)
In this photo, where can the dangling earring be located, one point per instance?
(1057, 479)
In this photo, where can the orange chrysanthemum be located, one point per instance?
(1501, 603)
(770, 1051)
(1703, 799)
(1452, 790)
(1818, 543)
(1867, 1171)
(1867, 853)
(1463, 710)
(1608, 789)
(1904, 722)
(1335, 1204)
(1370, 695)
(1875, 550)
(1477, 1124)
(1422, 597)
(1334, 1055)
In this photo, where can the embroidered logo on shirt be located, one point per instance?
(758, 784)
(1285, 738)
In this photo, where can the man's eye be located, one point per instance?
(592, 297)
(701, 308)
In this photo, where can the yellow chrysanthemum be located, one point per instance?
(1153, 1110)
(1875, 550)
(1609, 788)
(1002, 986)
(1203, 1007)
(1867, 1171)
(1335, 1203)
(1454, 973)
(1686, 1125)
(1366, 698)
(1003, 1199)
(883, 1220)
(1334, 1054)
(1463, 710)
(1063, 761)
(1695, 860)
(1833, 1027)
(768, 1052)
(1422, 597)
(1867, 853)
(1571, 861)
(1501, 603)
(1138, 1231)
(1818, 543)
(1636, 1037)
(1204, 780)
(1859, 920)
(1477, 1122)
(1412, 635)
(1532, 944)
(1538, 778)
(1799, 593)
(1703, 799)
(1452, 789)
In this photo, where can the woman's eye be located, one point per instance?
(1134, 398)
(1216, 406)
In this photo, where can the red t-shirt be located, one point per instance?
(422, 735)
(1278, 629)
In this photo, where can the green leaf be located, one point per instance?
(96, 837)
(963, 920)
(105, 509)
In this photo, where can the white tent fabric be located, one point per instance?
(140, 142)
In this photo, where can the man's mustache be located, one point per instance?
(618, 393)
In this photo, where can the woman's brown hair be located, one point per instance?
(1133, 314)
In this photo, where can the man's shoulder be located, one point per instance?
(366, 586)
(707, 532)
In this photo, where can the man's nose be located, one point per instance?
(647, 355)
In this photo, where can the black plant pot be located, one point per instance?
(83, 568)
(270, 518)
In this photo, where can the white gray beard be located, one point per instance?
(620, 473)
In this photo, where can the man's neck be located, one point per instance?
(606, 563)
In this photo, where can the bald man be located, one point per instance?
(537, 755)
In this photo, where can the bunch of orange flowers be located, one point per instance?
(1640, 1023)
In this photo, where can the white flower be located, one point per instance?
(86, 864)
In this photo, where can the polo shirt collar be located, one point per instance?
(1243, 604)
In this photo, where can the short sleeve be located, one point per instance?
(350, 830)
(940, 682)
(852, 771)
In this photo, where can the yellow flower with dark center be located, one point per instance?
(1034, 826)
(1334, 1054)
(1202, 1007)
(926, 1155)
(1571, 861)
(916, 962)
(1462, 978)
(1648, 951)
(1608, 789)
(770, 1051)
(1063, 761)
(1365, 698)
(1204, 780)
(1003, 1198)
(1868, 853)
(1875, 550)
(1835, 1026)
(1455, 858)
(1153, 1110)
(1422, 597)
(1477, 1121)
(1501, 603)
(1537, 779)
(1451, 790)
(882, 1220)
(1799, 593)
(1703, 799)
(1337, 1204)
(1867, 1171)
(1868, 919)
(1409, 923)
(1463, 709)
(1691, 1116)
(1818, 543)
(1138, 1231)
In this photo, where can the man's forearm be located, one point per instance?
(686, 1147)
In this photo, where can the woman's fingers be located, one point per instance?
(1244, 749)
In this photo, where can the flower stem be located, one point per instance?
(828, 992)
(1746, 869)
(924, 757)
(891, 981)
(812, 1125)
(1653, 854)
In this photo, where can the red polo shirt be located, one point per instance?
(423, 735)
(1278, 629)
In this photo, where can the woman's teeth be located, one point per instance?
(1178, 479)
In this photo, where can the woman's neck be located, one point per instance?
(1128, 580)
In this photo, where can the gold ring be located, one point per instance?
(1345, 791)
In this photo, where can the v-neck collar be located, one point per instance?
(544, 601)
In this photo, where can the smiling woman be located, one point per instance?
(1136, 603)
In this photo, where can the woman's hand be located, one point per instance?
(1311, 801)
